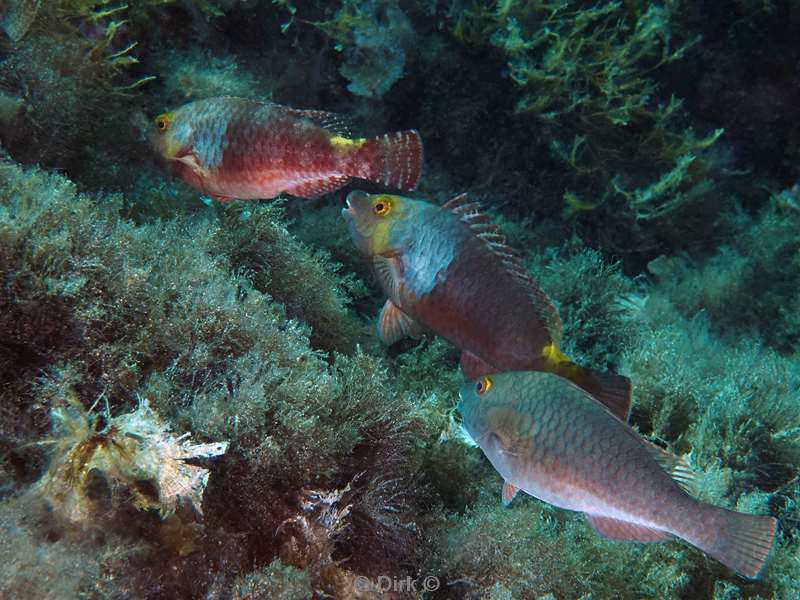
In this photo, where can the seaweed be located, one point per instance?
(305, 281)
(761, 256)
(594, 133)
(157, 311)
(632, 165)
(533, 550)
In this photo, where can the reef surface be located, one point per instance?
(194, 402)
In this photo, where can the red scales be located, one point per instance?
(238, 148)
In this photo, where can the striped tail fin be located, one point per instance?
(393, 160)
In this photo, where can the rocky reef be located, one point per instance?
(194, 400)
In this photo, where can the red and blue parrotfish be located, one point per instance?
(448, 269)
(238, 148)
(551, 439)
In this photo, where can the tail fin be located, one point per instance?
(394, 160)
(740, 542)
(611, 390)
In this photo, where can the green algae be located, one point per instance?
(254, 322)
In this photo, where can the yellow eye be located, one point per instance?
(382, 206)
(162, 122)
(483, 385)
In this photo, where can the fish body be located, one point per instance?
(552, 440)
(238, 148)
(448, 269)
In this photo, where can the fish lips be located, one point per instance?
(355, 214)
(470, 432)
(356, 202)
(467, 403)
(462, 406)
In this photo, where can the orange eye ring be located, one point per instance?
(162, 123)
(483, 385)
(382, 206)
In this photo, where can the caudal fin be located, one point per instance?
(740, 542)
(611, 390)
(393, 160)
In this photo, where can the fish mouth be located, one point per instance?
(350, 202)
(349, 211)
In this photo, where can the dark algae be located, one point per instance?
(571, 287)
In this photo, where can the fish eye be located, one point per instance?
(483, 385)
(162, 122)
(382, 206)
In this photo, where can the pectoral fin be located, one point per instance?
(190, 159)
(614, 529)
(506, 445)
(509, 491)
(394, 324)
(389, 271)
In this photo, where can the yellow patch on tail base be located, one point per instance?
(343, 143)
(553, 355)
(559, 363)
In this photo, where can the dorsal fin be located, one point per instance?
(455, 201)
(327, 120)
(675, 466)
(480, 225)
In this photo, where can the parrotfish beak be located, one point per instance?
(467, 426)
(356, 202)
(360, 221)
(468, 401)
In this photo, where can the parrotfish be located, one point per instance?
(551, 439)
(448, 269)
(238, 148)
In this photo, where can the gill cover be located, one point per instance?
(370, 220)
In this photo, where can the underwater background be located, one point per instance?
(642, 157)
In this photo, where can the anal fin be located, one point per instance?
(394, 324)
(615, 529)
(475, 367)
(316, 187)
(509, 491)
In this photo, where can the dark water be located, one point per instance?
(641, 158)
